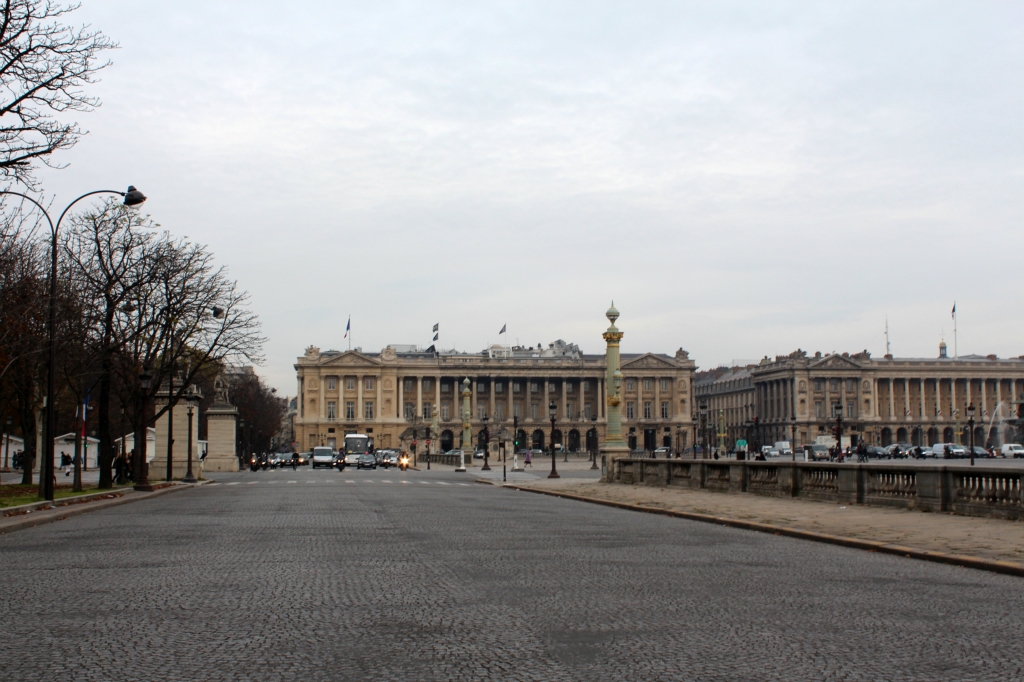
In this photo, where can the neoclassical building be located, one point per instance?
(393, 395)
(916, 400)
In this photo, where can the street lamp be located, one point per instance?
(593, 442)
(552, 413)
(792, 444)
(189, 398)
(970, 425)
(7, 444)
(703, 427)
(487, 444)
(133, 198)
(140, 466)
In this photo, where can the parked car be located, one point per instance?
(878, 452)
(1014, 450)
(663, 452)
(366, 461)
(478, 454)
(981, 452)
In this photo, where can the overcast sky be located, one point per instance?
(741, 178)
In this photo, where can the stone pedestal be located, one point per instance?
(220, 436)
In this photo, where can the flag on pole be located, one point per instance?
(502, 329)
(435, 326)
(348, 327)
(954, 310)
(435, 337)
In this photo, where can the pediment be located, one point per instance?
(648, 361)
(350, 358)
(834, 362)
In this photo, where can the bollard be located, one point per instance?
(504, 474)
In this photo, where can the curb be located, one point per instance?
(992, 565)
(61, 513)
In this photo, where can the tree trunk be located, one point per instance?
(107, 447)
(77, 485)
(28, 454)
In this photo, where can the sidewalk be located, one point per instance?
(989, 539)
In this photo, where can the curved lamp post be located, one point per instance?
(133, 198)
(487, 444)
(970, 425)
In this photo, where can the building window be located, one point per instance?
(647, 409)
(851, 409)
(568, 387)
(664, 384)
(629, 385)
(819, 409)
(350, 410)
(426, 410)
(499, 387)
(586, 410)
(664, 410)
(534, 387)
(833, 385)
(410, 410)
(445, 411)
(332, 409)
(445, 388)
(427, 384)
(585, 386)
(350, 383)
(817, 385)
(630, 410)
(368, 410)
(481, 411)
(368, 383)
(332, 383)
(481, 387)
(551, 387)
(499, 411)
(408, 385)
(851, 385)
(533, 410)
(647, 384)
(516, 387)
(570, 410)
(517, 410)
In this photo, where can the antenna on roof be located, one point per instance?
(887, 351)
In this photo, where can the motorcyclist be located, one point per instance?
(295, 460)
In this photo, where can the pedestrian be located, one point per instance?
(65, 462)
(119, 470)
(527, 461)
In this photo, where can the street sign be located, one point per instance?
(741, 443)
(428, 442)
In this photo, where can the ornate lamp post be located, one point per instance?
(721, 432)
(133, 198)
(487, 445)
(552, 415)
(792, 444)
(593, 442)
(190, 398)
(467, 433)
(970, 425)
(703, 429)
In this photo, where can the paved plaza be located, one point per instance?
(385, 575)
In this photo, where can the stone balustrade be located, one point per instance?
(971, 491)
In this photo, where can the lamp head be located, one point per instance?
(703, 408)
(218, 312)
(970, 411)
(551, 409)
(484, 419)
(145, 379)
(133, 198)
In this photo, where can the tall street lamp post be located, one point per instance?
(133, 198)
(970, 425)
(552, 414)
(487, 445)
(593, 442)
(189, 477)
(792, 444)
(703, 429)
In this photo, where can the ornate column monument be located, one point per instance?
(467, 433)
(613, 446)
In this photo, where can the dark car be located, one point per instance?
(366, 462)
(878, 452)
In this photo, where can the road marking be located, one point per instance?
(465, 484)
(234, 483)
(293, 481)
(385, 481)
(404, 482)
(349, 481)
(329, 480)
(424, 483)
(443, 483)
(310, 481)
(210, 484)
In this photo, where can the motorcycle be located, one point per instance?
(254, 465)
(403, 463)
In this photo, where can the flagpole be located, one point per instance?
(956, 349)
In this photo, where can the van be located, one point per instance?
(955, 451)
(1014, 450)
(784, 448)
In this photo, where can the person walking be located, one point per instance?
(65, 463)
(527, 460)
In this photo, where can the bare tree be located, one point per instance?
(157, 303)
(43, 66)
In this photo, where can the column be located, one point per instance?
(999, 391)
(938, 395)
(401, 398)
(360, 415)
(494, 399)
(564, 413)
(378, 412)
(419, 397)
(892, 401)
(544, 403)
(968, 388)
(952, 396)
(842, 397)
(602, 399)
(923, 415)
(472, 410)
(984, 401)
(322, 412)
(437, 399)
(906, 398)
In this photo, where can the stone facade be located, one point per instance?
(916, 400)
(385, 394)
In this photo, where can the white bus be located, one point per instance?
(357, 444)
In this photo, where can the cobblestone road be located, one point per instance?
(412, 579)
